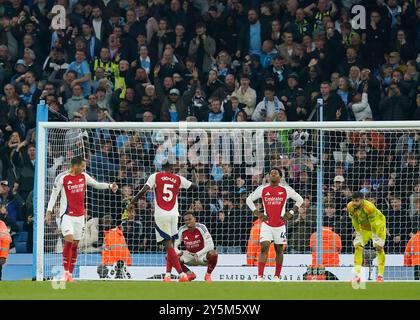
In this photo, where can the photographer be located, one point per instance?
(395, 106)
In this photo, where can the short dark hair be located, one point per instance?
(73, 72)
(357, 195)
(278, 170)
(269, 87)
(189, 213)
(77, 160)
(200, 24)
(167, 165)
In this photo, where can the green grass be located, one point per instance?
(199, 290)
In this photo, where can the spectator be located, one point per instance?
(300, 231)
(175, 106)
(76, 101)
(101, 27)
(81, 66)
(360, 106)
(395, 106)
(246, 95)
(203, 47)
(92, 43)
(301, 26)
(330, 216)
(289, 94)
(10, 199)
(24, 163)
(252, 35)
(289, 48)
(28, 226)
(333, 106)
(398, 225)
(133, 232)
(101, 165)
(275, 33)
(269, 107)
(279, 72)
(267, 54)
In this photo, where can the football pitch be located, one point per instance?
(148, 290)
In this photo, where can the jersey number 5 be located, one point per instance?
(167, 192)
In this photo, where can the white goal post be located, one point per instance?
(322, 160)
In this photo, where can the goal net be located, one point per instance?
(325, 163)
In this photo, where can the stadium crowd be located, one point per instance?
(213, 61)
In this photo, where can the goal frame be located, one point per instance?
(41, 152)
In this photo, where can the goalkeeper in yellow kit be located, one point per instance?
(369, 223)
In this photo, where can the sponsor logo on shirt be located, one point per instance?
(76, 188)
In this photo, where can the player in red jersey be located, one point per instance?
(71, 185)
(199, 247)
(273, 229)
(166, 186)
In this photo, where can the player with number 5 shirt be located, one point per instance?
(166, 186)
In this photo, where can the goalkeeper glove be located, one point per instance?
(358, 239)
(377, 241)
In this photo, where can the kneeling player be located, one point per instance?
(199, 247)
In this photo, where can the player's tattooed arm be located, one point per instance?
(140, 194)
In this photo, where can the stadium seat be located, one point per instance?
(20, 247)
(20, 225)
(22, 237)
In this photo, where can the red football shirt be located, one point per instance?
(75, 188)
(166, 186)
(72, 189)
(193, 241)
(274, 200)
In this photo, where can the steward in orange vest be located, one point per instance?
(331, 247)
(115, 248)
(412, 254)
(5, 241)
(254, 248)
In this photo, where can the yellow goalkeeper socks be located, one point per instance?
(358, 259)
(381, 262)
